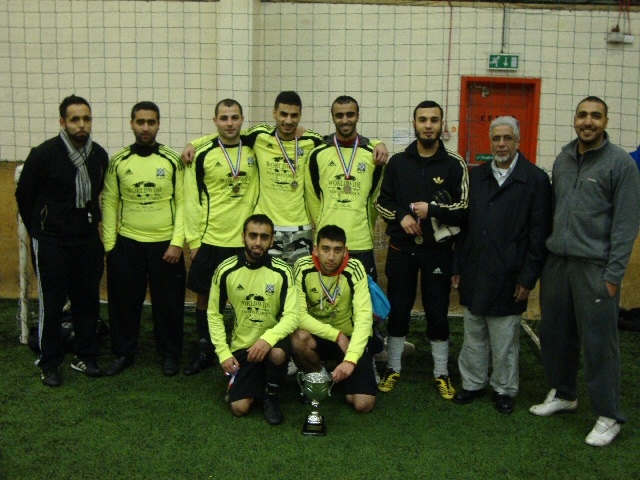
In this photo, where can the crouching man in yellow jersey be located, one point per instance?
(336, 318)
(262, 297)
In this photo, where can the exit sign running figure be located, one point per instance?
(503, 61)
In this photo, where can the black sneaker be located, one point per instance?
(201, 362)
(170, 367)
(272, 412)
(118, 365)
(88, 367)
(51, 377)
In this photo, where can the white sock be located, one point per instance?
(395, 347)
(440, 352)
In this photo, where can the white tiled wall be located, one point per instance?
(187, 55)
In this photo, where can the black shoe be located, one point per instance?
(170, 367)
(201, 362)
(272, 412)
(504, 403)
(51, 377)
(467, 396)
(118, 365)
(88, 367)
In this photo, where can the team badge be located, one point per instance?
(270, 289)
(300, 151)
(361, 167)
(160, 173)
(251, 162)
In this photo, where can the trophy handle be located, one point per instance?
(333, 382)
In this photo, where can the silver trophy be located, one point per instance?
(316, 386)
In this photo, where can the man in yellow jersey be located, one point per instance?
(143, 229)
(343, 180)
(282, 153)
(261, 292)
(336, 317)
(220, 187)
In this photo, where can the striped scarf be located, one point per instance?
(78, 157)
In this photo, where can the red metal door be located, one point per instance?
(485, 98)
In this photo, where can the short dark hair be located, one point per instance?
(331, 232)
(288, 97)
(145, 106)
(428, 104)
(227, 102)
(260, 219)
(71, 100)
(343, 100)
(592, 98)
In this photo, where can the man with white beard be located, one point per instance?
(497, 262)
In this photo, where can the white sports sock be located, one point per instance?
(440, 352)
(395, 347)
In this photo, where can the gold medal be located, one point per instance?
(235, 189)
(419, 239)
(347, 189)
(294, 184)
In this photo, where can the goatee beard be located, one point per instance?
(79, 139)
(253, 256)
(503, 160)
(427, 142)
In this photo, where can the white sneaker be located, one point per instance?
(553, 405)
(292, 369)
(603, 433)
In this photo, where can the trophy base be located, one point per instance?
(314, 426)
(314, 430)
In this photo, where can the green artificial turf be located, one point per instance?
(141, 425)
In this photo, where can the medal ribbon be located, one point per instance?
(234, 170)
(347, 170)
(293, 166)
(331, 298)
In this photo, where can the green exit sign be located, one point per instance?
(504, 61)
(483, 157)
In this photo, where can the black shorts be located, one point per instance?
(205, 264)
(250, 379)
(363, 379)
